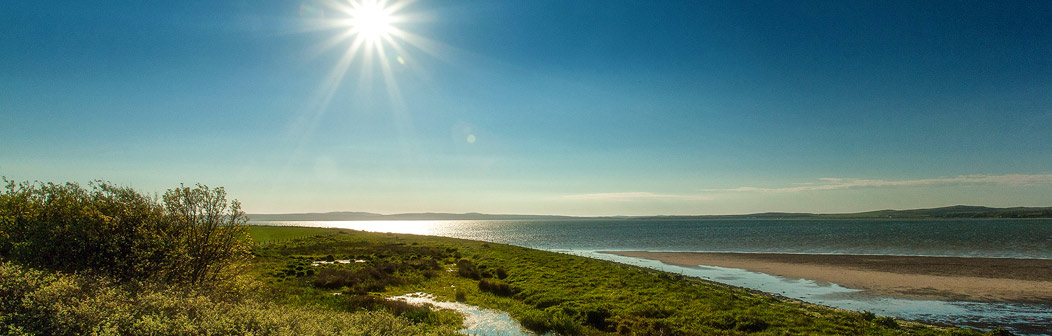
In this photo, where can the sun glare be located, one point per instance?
(370, 20)
(373, 34)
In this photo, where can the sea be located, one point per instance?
(993, 238)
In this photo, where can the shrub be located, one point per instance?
(122, 234)
(467, 269)
(497, 287)
(751, 324)
(597, 318)
(885, 321)
(400, 308)
(331, 278)
(109, 230)
(361, 281)
(413, 313)
(460, 295)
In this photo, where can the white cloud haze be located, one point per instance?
(827, 183)
(847, 183)
(634, 196)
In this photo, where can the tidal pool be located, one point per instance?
(477, 320)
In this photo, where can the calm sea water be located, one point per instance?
(1022, 238)
(965, 238)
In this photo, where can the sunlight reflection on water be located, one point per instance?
(961, 238)
(417, 227)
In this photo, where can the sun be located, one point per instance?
(373, 34)
(370, 20)
(372, 46)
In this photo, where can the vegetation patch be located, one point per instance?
(497, 287)
(552, 292)
(189, 236)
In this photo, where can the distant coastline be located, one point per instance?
(951, 212)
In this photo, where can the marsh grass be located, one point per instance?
(548, 291)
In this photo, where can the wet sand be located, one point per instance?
(908, 277)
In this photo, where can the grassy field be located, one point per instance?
(265, 235)
(545, 291)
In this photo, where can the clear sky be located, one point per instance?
(537, 107)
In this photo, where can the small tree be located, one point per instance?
(212, 231)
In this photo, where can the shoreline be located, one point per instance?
(1001, 280)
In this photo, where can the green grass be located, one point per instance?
(546, 291)
(264, 235)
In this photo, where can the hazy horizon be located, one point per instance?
(580, 108)
(597, 216)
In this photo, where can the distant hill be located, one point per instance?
(962, 211)
(957, 211)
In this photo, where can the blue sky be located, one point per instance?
(539, 107)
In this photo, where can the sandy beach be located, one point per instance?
(928, 278)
